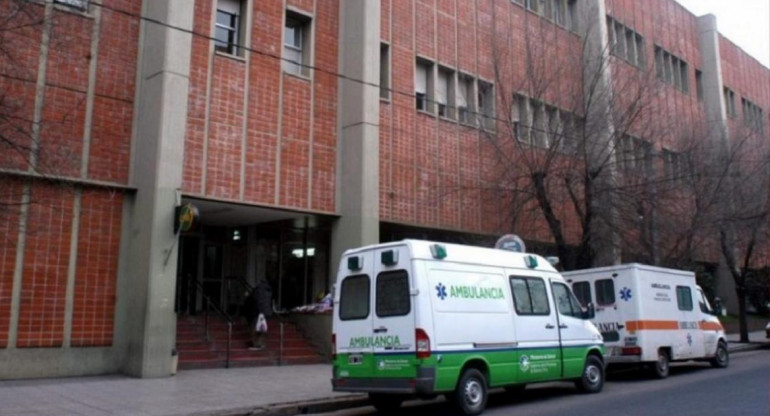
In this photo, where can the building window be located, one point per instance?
(532, 4)
(699, 84)
(423, 88)
(227, 31)
(464, 102)
(730, 102)
(486, 105)
(445, 93)
(81, 5)
(519, 117)
(296, 44)
(625, 43)
(753, 116)
(384, 71)
(672, 70)
(572, 15)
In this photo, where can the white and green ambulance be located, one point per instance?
(417, 319)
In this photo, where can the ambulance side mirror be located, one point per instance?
(590, 312)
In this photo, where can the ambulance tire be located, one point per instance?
(470, 396)
(385, 403)
(592, 380)
(722, 357)
(661, 367)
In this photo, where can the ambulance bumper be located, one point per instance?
(623, 359)
(423, 384)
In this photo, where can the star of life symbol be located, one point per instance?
(689, 339)
(625, 294)
(524, 363)
(441, 291)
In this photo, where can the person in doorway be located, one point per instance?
(257, 308)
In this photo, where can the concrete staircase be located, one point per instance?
(195, 351)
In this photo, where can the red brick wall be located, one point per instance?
(10, 206)
(291, 121)
(61, 152)
(437, 173)
(97, 263)
(46, 262)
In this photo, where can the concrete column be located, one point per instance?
(159, 135)
(718, 132)
(358, 116)
(600, 130)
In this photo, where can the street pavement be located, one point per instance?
(235, 391)
(691, 389)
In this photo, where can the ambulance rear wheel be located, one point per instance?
(660, 368)
(471, 393)
(722, 357)
(592, 380)
(385, 403)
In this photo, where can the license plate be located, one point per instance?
(355, 359)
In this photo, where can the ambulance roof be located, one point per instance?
(628, 266)
(420, 249)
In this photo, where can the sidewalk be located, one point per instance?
(195, 392)
(237, 391)
(756, 340)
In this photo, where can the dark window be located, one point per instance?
(566, 303)
(704, 304)
(529, 296)
(354, 298)
(582, 292)
(605, 292)
(384, 71)
(684, 298)
(392, 298)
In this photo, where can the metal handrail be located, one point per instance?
(223, 314)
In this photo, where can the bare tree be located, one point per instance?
(571, 144)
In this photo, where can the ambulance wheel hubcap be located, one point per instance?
(473, 393)
(662, 362)
(721, 354)
(593, 374)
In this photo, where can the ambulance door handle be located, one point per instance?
(380, 329)
(549, 326)
(563, 326)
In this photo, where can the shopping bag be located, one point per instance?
(261, 323)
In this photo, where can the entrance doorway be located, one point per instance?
(230, 253)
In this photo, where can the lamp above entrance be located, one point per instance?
(187, 218)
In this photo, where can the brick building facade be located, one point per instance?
(110, 120)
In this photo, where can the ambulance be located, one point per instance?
(651, 315)
(419, 318)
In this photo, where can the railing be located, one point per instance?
(209, 304)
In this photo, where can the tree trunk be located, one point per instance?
(742, 323)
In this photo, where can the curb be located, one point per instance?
(325, 405)
(740, 347)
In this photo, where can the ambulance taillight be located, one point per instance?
(423, 343)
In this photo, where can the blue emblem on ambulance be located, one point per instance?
(441, 291)
(625, 294)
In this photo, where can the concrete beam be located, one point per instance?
(357, 194)
(159, 136)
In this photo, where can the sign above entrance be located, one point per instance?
(511, 242)
(187, 218)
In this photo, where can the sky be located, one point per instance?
(745, 22)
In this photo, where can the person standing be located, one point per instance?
(257, 308)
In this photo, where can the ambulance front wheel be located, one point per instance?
(592, 379)
(471, 393)
(722, 357)
(385, 403)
